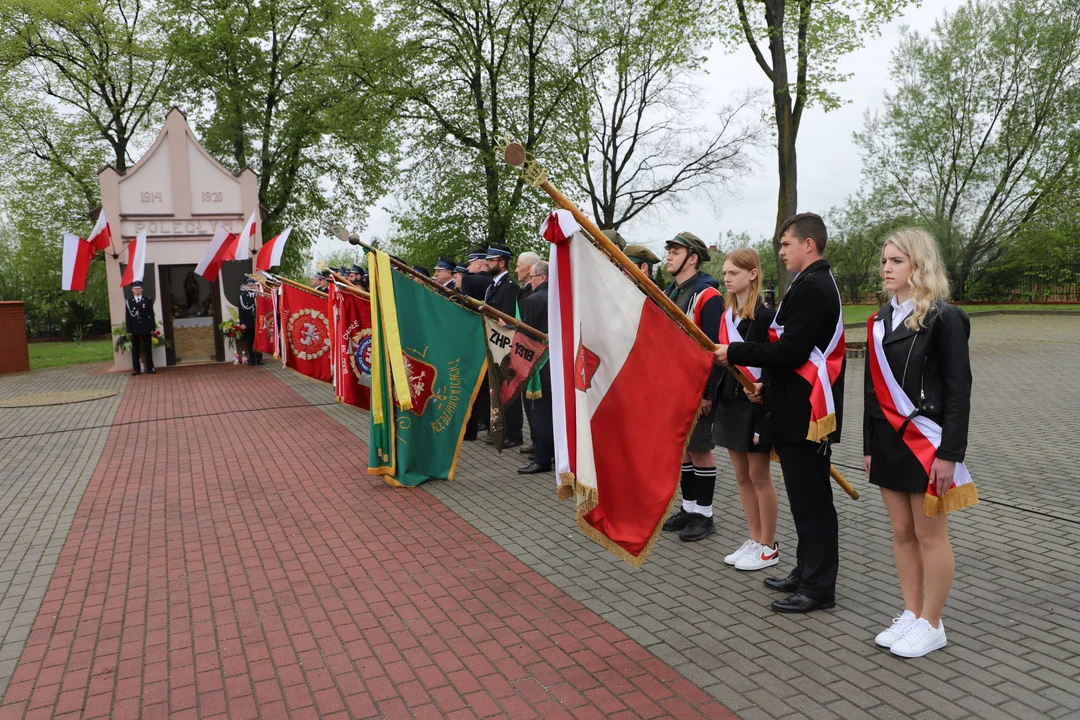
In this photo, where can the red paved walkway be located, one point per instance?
(212, 571)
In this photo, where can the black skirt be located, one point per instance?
(892, 464)
(734, 422)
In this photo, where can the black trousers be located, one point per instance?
(481, 411)
(138, 342)
(515, 421)
(543, 432)
(809, 491)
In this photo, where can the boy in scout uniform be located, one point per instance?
(643, 257)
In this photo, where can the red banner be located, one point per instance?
(305, 330)
(264, 325)
(352, 348)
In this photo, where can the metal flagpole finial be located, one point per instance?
(517, 156)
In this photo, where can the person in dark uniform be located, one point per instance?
(250, 320)
(444, 272)
(614, 236)
(141, 323)
(809, 317)
(643, 257)
(534, 313)
(460, 271)
(738, 422)
(502, 295)
(924, 342)
(475, 284)
(696, 294)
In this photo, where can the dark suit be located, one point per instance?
(534, 312)
(249, 320)
(809, 314)
(934, 370)
(475, 285)
(502, 295)
(141, 323)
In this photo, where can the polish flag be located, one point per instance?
(626, 384)
(77, 256)
(136, 260)
(247, 237)
(222, 248)
(101, 237)
(270, 253)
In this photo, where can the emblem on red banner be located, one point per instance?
(585, 367)
(360, 354)
(422, 378)
(309, 334)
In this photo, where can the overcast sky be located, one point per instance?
(829, 163)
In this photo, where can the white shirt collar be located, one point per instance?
(901, 311)
(500, 276)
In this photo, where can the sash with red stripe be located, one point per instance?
(729, 333)
(921, 435)
(821, 371)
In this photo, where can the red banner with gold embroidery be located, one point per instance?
(305, 333)
(264, 324)
(352, 348)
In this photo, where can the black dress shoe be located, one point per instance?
(799, 603)
(699, 528)
(533, 469)
(678, 521)
(507, 444)
(527, 450)
(152, 371)
(136, 372)
(787, 584)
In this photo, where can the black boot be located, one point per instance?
(699, 528)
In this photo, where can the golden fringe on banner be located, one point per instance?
(956, 498)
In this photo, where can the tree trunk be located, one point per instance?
(788, 199)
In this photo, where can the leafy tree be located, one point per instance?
(288, 88)
(483, 69)
(982, 136)
(819, 33)
(641, 149)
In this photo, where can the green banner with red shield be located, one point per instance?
(428, 358)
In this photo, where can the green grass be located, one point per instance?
(55, 354)
(860, 313)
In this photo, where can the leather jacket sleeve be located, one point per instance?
(953, 331)
(712, 312)
(802, 326)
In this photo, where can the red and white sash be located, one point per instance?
(821, 371)
(921, 435)
(729, 333)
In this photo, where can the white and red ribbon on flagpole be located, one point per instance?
(920, 434)
(729, 333)
(821, 371)
(136, 260)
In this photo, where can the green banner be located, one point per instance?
(443, 360)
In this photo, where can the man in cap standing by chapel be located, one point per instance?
(141, 323)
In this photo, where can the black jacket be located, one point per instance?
(756, 330)
(809, 314)
(534, 309)
(247, 316)
(475, 285)
(712, 314)
(933, 368)
(139, 316)
(502, 295)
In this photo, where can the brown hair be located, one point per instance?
(745, 259)
(806, 225)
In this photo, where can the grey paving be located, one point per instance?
(43, 474)
(1013, 619)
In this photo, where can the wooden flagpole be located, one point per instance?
(515, 154)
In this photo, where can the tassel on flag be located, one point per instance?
(222, 248)
(247, 235)
(136, 260)
(270, 254)
(101, 237)
(77, 256)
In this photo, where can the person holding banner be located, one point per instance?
(534, 312)
(803, 396)
(503, 295)
(738, 422)
(915, 424)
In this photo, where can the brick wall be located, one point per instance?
(14, 357)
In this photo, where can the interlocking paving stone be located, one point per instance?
(43, 474)
(216, 569)
(1012, 626)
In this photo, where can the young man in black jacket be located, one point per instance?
(809, 317)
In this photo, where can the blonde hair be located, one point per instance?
(745, 259)
(929, 282)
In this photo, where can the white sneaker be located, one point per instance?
(900, 626)
(761, 558)
(921, 639)
(733, 558)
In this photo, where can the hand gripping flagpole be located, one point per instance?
(536, 175)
